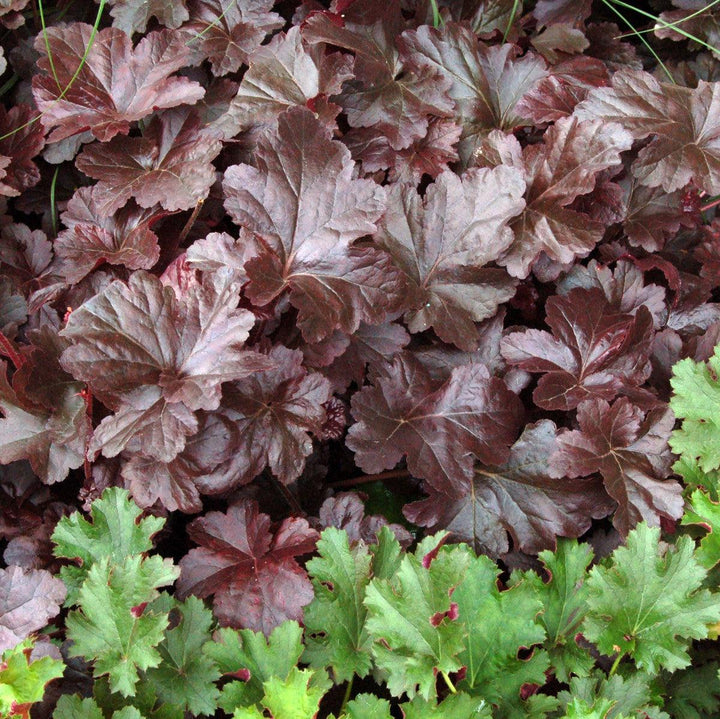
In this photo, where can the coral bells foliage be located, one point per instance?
(252, 253)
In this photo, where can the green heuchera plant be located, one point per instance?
(438, 629)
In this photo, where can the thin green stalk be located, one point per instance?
(437, 19)
(616, 663)
(83, 59)
(671, 25)
(513, 14)
(47, 43)
(611, 5)
(347, 695)
(197, 36)
(53, 204)
(448, 682)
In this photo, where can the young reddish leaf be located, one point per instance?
(124, 238)
(440, 426)
(389, 93)
(25, 256)
(250, 570)
(273, 413)
(593, 351)
(568, 83)
(624, 288)
(699, 19)
(306, 210)
(630, 451)
(560, 39)
(551, 12)
(170, 165)
(230, 35)
(487, 83)
(684, 122)
(560, 170)
(155, 359)
(652, 216)
(519, 497)
(370, 345)
(102, 99)
(134, 15)
(22, 140)
(51, 438)
(177, 484)
(288, 73)
(442, 243)
(428, 155)
(27, 601)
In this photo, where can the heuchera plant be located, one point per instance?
(461, 257)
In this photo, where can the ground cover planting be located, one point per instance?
(359, 360)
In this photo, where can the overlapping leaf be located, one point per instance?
(134, 15)
(593, 351)
(274, 414)
(441, 427)
(390, 92)
(683, 122)
(561, 169)
(28, 599)
(629, 449)
(306, 209)
(442, 243)
(170, 165)
(92, 237)
(22, 139)
(519, 497)
(155, 359)
(487, 83)
(288, 73)
(230, 33)
(250, 570)
(100, 98)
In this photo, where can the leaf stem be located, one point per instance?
(713, 203)
(53, 203)
(513, 13)
(449, 683)
(7, 348)
(289, 497)
(347, 695)
(616, 663)
(368, 478)
(191, 221)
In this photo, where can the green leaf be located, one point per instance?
(186, 677)
(412, 620)
(706, 513)
(236, 651)
(116, 532)
(368, 706)
(696, 400)
(498, 624)
(335, 619)
(693, 693)
(295, 697)
(112, 627)
(75, 707)
(580, 709)
(22, 681)
(456, 706)
(648, 604)
(387, 554)
(564, 602)
(694, 477)
(629, 695)
(145, 699)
